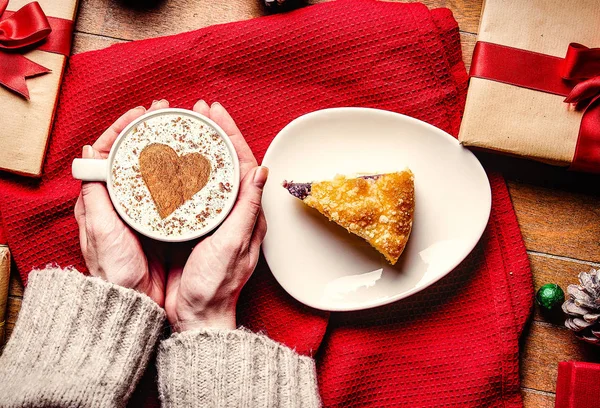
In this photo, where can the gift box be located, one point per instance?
(530, 56)
(35, 39)
(578, 385)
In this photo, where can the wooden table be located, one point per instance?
(559, 213)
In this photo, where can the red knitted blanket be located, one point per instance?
(453, 344)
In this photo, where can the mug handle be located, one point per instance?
(90, 169)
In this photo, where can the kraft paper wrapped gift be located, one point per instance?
(520, 121)
(26, 124)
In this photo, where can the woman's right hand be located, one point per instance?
(202, 289)
(112, 250)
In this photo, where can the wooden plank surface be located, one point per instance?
(13, 305)
(537, 399)
(558, 222)
(15, 287)
(558, 211)
(12, 312)
(89, 42)
(545, 346)
(107, 18)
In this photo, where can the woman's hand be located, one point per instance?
(203, 292)
(110, 248)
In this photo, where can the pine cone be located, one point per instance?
(583, 307)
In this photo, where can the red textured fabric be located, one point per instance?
(454, 344)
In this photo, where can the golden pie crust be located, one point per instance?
(377, 208)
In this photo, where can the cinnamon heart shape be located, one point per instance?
(171, 179)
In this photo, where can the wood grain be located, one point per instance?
(12, 312)
(537, 399)
(130, 22)
(88, 42)
(545, 346)
(466, 12)
(5, 261)
(15, 287)
(558, 222)
(467, 44)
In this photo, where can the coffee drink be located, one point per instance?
(172, 175)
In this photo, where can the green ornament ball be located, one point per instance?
(550, 296)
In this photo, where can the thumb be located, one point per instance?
(93, 193)
(242, 218)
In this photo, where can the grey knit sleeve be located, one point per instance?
(233, 368)
(78, 342)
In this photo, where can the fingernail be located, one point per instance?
(154, 102)
(260, 176)
(163, 101)
(215, 104)
(140, 108)
(87, 152)
(203, 102)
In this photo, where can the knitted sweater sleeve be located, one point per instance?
(78, 341)
(233, 368)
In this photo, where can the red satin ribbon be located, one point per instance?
(23, 30)
(577, 76)
(587, 151)
(581, 62)
(59, 41)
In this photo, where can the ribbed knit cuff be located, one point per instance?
(78, 341)
(233, 368)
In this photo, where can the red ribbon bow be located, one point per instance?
(577, 76)
(583, 64)
(20, 31)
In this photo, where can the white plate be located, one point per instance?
(320, 263)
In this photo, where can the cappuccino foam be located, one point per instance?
(185, 135)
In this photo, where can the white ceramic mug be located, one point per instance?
(100, 170)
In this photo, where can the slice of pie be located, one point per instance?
(378, 208)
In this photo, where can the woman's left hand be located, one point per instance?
(112, 251)
(203, 286)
